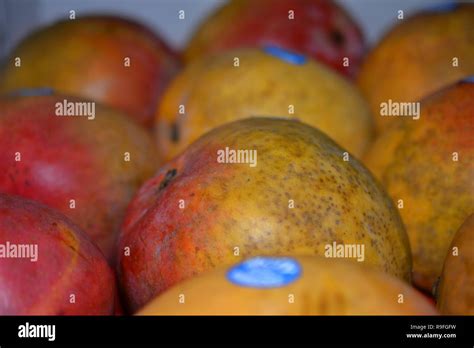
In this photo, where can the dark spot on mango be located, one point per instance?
(170, 174)
(337, 38)
(174, 132)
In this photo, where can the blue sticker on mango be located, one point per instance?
(287, 56)
(32, 92)
(444, 7)
(469, 79)
(265, 272)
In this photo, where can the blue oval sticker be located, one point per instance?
(444, 7)
(287, 56)
(265, 272)
(32, 92)
(469, 79)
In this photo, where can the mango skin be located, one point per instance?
(234, 205)
(326, 287)
(414, 59)
(68, 263)
(263, 85)
(321, 29)
(71, 157)
(85, 57)
(414, 161)
(456, 288)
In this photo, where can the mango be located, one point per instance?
(455, 291)
(98, 58)
(419, 56)
(427, 166)
(88, 166)
(266, 82)
(48, 266)
(258, 186)
(291, 286)
(319, 28)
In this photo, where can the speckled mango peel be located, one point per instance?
(228, 206)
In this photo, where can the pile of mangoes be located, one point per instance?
(275, 166)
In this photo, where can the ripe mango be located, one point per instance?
(319, 28)
(455, 292)
(48, 266)
(88, 169)
(294, 191)
(291, 286)
(427, 166)
(419, 56)
(109, 59)
(266, 82)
